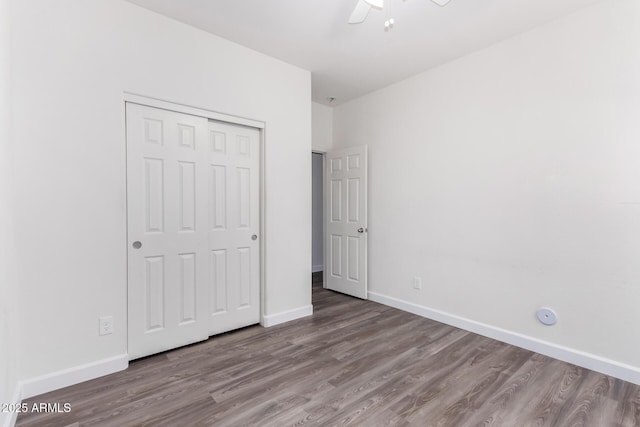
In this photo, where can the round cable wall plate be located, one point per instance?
(547, 316)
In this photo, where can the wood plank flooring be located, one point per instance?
(355, 363)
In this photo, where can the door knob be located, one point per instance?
(360, 230)
(137, 245)
(254, 237)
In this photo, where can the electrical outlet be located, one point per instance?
(417, 283)
(106, 325)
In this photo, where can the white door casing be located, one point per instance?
(346, 221)
(193, 204)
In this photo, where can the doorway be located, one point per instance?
(317, 218)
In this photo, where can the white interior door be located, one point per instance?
(234, 182)
(167, 229)
(346, 221)
(193, 208)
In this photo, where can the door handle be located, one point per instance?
(362, 230)
(254, 237)
(137, 245)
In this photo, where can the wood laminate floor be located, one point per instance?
(353, 362)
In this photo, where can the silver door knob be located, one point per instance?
(137, 245)
(254, 237)
(360, 230)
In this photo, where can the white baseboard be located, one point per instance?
(316, 268)
(286, 316)
(8, 419)
(586, 360)
(71, 376)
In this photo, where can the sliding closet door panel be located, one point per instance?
(234, 234)
(168, 226)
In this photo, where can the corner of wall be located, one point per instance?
(286, 316)
(9, 338)
(321, 127)
(8, 419)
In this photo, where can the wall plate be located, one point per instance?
(547, 316)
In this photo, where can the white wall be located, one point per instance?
(73, 61)
(509, 180)
(317, 217)
(8, 284)
(322, 126)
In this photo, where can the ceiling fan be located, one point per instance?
(363, 7)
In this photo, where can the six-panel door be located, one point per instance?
(234, 186)
(346, 221)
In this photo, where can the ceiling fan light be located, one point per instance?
(376, 3)
(360, 13)
(441, 2)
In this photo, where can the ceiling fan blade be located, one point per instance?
(440, 2)
(360, 12)
(377, 3)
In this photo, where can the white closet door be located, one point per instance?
(234, 232)
(346, 221)
(167, 212)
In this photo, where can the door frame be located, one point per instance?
(129, 97)
(323, 153)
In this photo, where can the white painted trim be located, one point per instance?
(194, 111)
(263, 223)
(320, 267)
(586, 360)
(286, 316)
(8, 419)
(75, 375)
(324, 223)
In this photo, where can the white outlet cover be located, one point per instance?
(105, 325)
(547, 316)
